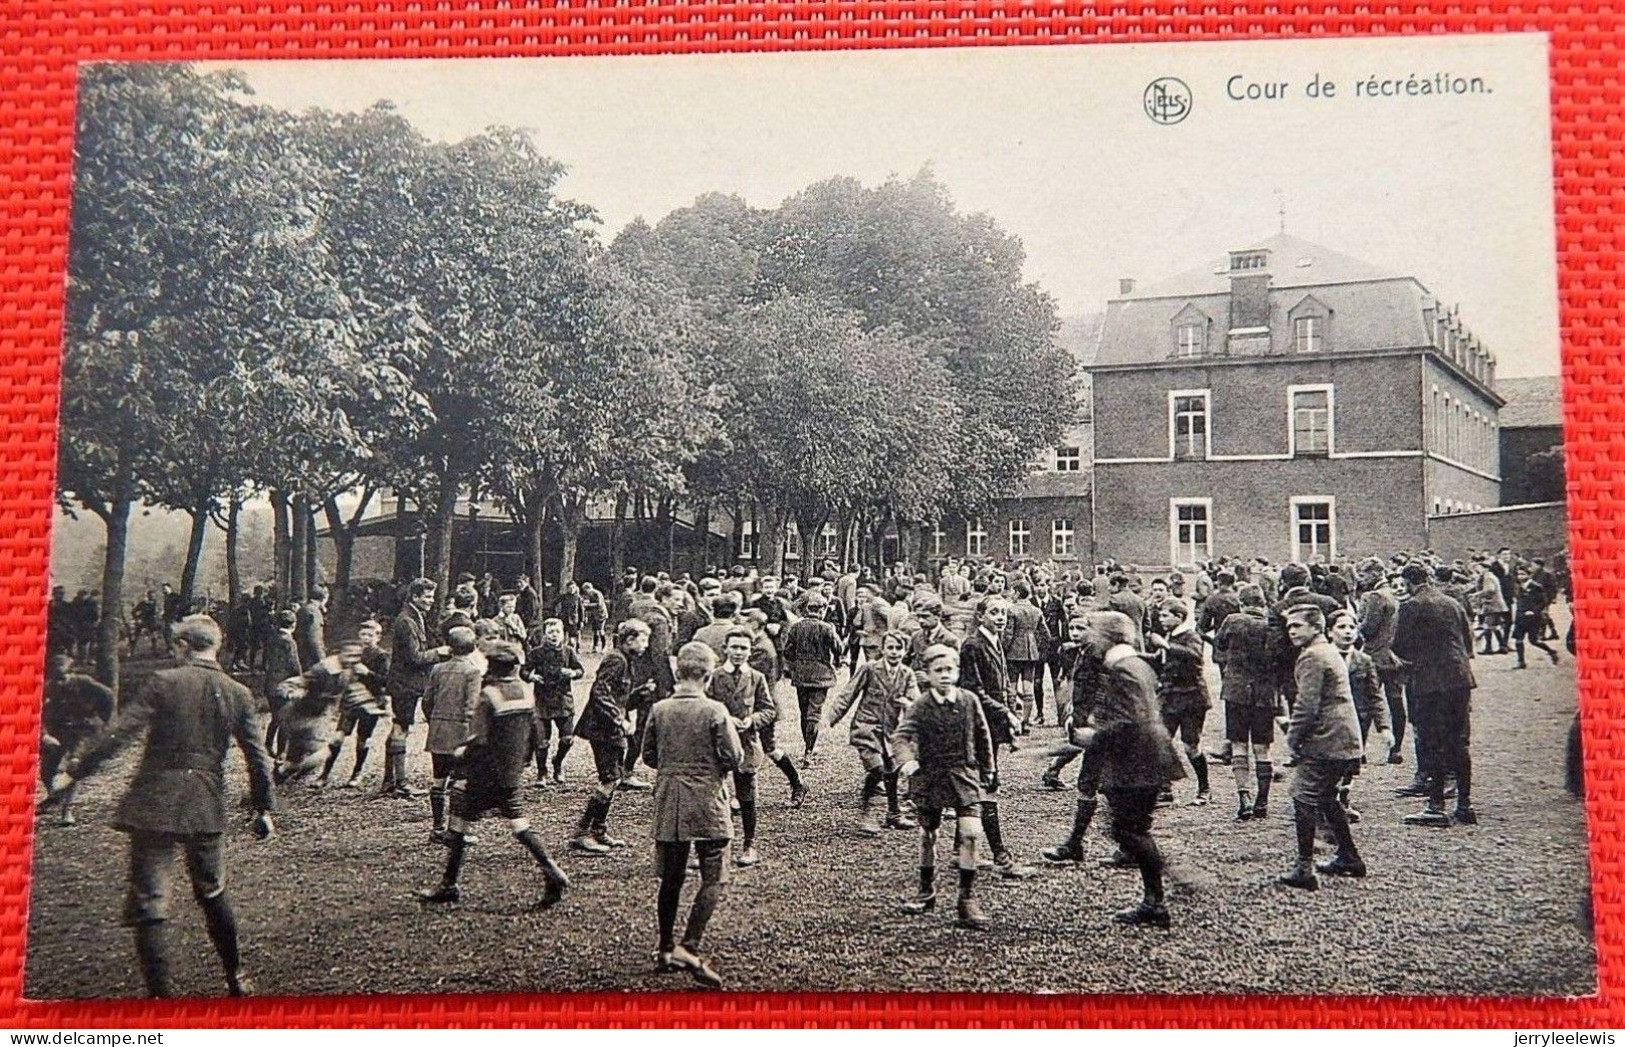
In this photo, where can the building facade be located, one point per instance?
(1287, 402)
(1531, 425)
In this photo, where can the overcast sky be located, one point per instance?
(1054, 144)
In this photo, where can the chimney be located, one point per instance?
(1249, 291)
(1125, 286)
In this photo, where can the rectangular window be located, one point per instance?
(1069, 459)
(1308, 332)
(747, 540)
(1061, 538)
(939, 540)
(827, 545)
(1311, 422)
(1021, 533)
(976, 538)
(1190, 341)
(1314, 523)
(1188, 421)
(792, 541)
(1190, 529)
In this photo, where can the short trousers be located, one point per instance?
(608, 759)
(404, 707)
(475, 798)
(544, 727)
(1023, 670)
(152, 872)
(959, 788)
(1255, 723)
(1185, 724)
(1315, 782)
(349, 719)
(930, 818)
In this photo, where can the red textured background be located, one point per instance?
(41, 40)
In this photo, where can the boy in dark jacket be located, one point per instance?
(946, 751)
(491, 761)
(552, 667)
(1181, 688)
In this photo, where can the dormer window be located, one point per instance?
(1311, 323)
(1190, 328)
(1308, 334)
(1191, 341)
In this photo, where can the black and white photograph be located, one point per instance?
(1024, 520)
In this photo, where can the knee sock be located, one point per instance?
(1199, 765)
(565, 745)
(333, 749)
(871, 784)
(1265, 776)
(360, 761)
(1148, 857)
(705, 903)
(150, 950)
(788, 768)
(454, 858)
(890, 785)
(992, 829)
(673, 871)
(1241, 766)
(222, 926)
(1303, 818)
(745, 793)
(437, 804)
(1338, 822)
(1464, 779)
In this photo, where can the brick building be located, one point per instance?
(1286, 401)
(1531, 424)
(1050, 517)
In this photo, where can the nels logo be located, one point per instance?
(1167, 100)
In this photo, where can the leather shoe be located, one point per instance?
(1339, 867)
(1430, 817)
(1465, 816)
(443, 895)
(923, 903)
(1146, 914)
(1302, 877)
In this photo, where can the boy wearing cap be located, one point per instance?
(491, 761)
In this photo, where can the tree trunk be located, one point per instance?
(770, 546)
(281, 576)
(296, 549)
(570, 520)
(844, 539)
(617, 541)
(313, 566)
(700, 560)
(535, 532)
(438, 566)
(234, 574)
(194, 551)
(809, 524)
(910, 545)
(738, 539)
(665, 522)
(117, 522)
(343, 557)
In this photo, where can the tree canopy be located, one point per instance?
(308, 304)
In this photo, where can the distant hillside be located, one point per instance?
(157, 550)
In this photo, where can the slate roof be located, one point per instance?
(1370, 308)
(1531, 403)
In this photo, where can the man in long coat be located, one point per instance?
(1434, 636)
